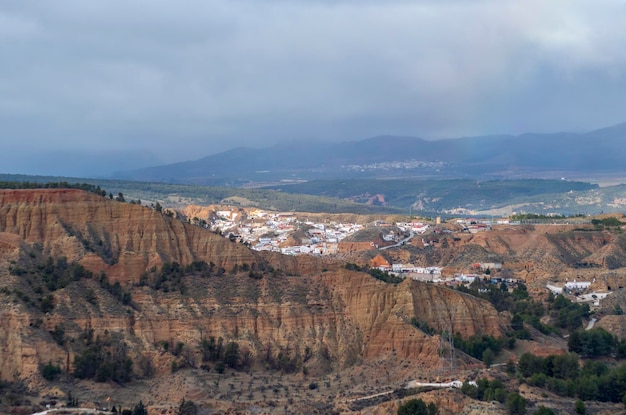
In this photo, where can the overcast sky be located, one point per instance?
(144, 82)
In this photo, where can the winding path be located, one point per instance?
(592, 322)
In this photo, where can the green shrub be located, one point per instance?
(417, 407)
(515, 404)
(187, 408)
(50, 371)
(542, 410)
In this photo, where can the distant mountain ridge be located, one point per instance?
(598, 151)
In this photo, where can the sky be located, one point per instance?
(92, 87)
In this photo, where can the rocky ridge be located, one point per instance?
(340, 318)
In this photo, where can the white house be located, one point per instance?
(554, 289)
(577, 285)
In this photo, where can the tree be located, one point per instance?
(542, 410)
(515, 404)
(231, 355)
(47, 303)
(565, 366)
(469, 390)
(488, 357)
(417, 407)
(187, 408)
(510, 367)
(529, 364)
(140, 409)
(575, 342)
(50, 371)
(72, 402)
(517, 322)
(580, 408)
(587, 388)
(592, 343)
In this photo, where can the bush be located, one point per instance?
(606, 222)
(140, 409)
(58, 334)
(102, 360)
(423, 326)
(50, 371)
(592, 343)
(542, 410)
(476, 345)
(187, 408)
(417, 407)
(220, 367)
(488, 357)
(47, 304)
(485, 390)
(515, 404)
(580, 408)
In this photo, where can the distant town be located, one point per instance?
(392, 165)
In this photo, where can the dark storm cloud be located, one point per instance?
(179, 80)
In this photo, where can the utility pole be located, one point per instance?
(447, 355)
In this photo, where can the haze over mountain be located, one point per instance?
(187, 80)
(528, 155)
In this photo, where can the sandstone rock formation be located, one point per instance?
(122, 239)
(341, 316)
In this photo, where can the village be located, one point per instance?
(291, 234)
(294, 234)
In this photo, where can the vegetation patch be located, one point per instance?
(376, 273)
(563, 375)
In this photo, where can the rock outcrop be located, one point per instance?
(121, 239)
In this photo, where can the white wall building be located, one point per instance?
(577, 285)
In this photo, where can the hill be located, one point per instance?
(180, 195)
(108, 302)
(457, 196)
(425, 197)
(504, 156)
(84, 277)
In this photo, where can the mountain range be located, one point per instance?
(499, 156)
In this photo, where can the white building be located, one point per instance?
(554, 289)
(577, 285)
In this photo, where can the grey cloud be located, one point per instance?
(184, 79)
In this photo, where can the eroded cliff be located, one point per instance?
(122, 239)
(335, 318)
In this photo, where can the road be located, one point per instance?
(402, 242)
(72, 411)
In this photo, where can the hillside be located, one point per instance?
(102, 298)
(469, 197)
(179, 195)
(64, 251)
